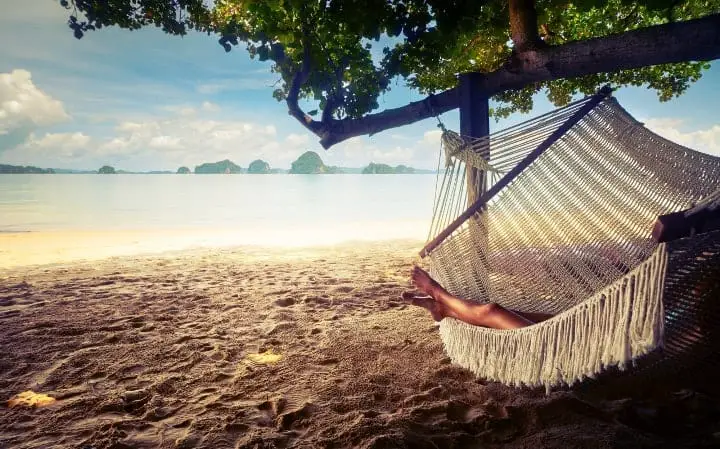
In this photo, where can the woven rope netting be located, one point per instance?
(575, 221)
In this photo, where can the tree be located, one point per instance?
(183, 171)
(106, 170)
(259, 167)
(327, 52)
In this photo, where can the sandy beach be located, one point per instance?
(274, 347)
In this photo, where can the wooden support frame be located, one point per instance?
(474, 122)
(522, 165)
(703, 217)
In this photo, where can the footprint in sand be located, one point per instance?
(318, 301)
(279, 327)
(296, 418)
(285, 302)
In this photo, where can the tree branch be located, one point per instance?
(693, 40)
(298, 80)
(339, 130)
(523, 25)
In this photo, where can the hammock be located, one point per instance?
(564, 228)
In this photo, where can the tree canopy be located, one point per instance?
(340, 56)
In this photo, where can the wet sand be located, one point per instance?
(263, 348)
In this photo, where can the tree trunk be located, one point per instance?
(523, 25)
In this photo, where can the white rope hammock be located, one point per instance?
(564, 228)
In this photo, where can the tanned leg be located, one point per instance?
(487, 315)
(426, 302)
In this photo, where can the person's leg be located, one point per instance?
(487, 315)
(438, 311)
(535, 317)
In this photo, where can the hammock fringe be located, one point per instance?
(613, 327)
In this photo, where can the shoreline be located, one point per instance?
(30, 248)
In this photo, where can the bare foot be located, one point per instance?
(435, 308)
(425, 283)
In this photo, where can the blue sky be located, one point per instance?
(144, 101)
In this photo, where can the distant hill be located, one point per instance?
(226, 166)
(258, 167)
(310, 163)
(378, 169)
(384, 169)
(70, 171)
(106, 170)
(349, 170)
(19, 169)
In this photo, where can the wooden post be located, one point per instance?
(474, 122)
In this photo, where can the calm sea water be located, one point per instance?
(282, 203)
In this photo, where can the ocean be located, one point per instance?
(257, 209)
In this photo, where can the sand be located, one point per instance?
(264, 348)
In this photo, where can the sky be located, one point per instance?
(143, 100)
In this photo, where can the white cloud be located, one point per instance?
(359, 151)
(188, 135)
(50, 150)
(432, 138)
(209, 107)
(165, 143)
(705, 140)
(186, 111)
(206, 107)
(24, 106)
(189, 140)
(298, 139)
(60, 140)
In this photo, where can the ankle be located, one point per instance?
(439, 293)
